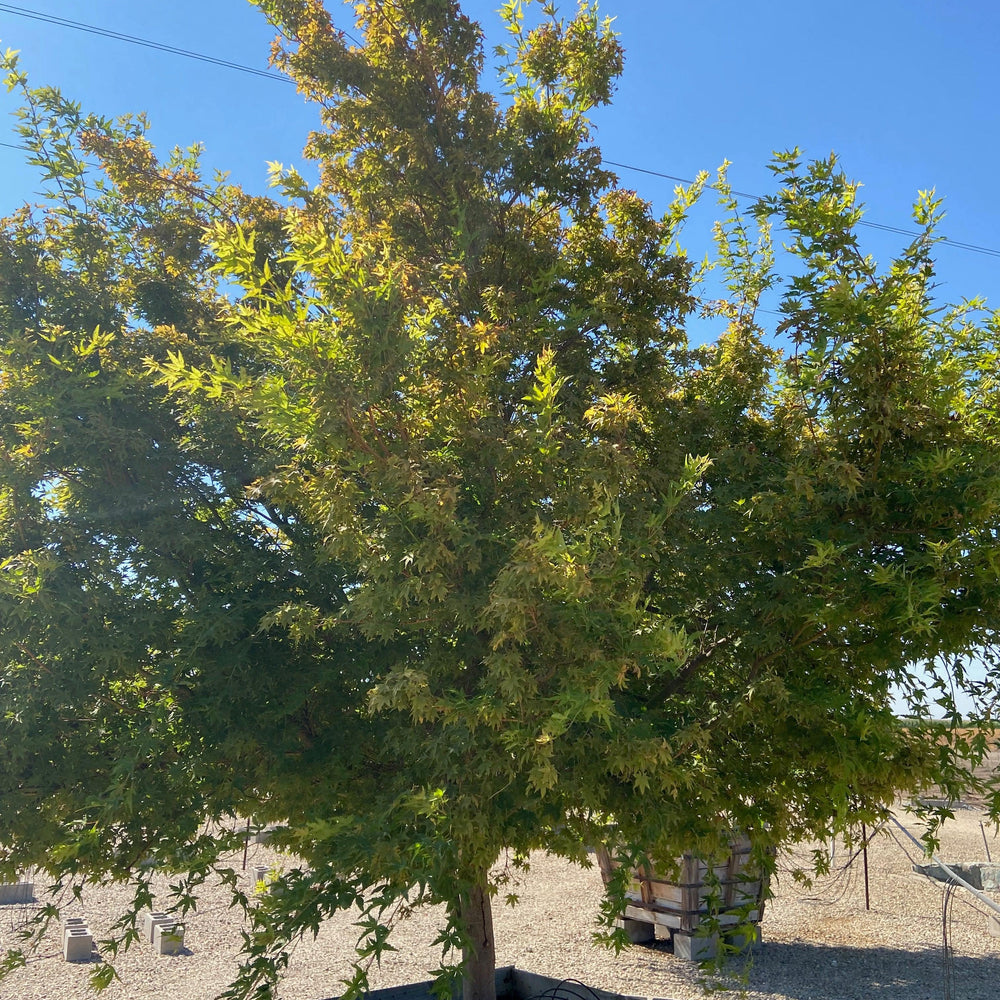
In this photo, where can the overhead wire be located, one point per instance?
(148, 43)
(944, 241)
(121, 36)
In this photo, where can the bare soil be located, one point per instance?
(819, 943)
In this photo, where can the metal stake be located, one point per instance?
(864, 853)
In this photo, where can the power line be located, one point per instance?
(227, 64)
(944, 241)
(121, 36)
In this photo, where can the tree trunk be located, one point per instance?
(480, 957)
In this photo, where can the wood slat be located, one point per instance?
(682, 904)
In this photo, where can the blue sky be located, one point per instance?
(903, 91)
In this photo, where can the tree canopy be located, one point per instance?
(406, 511)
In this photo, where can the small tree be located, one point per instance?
(458, 547)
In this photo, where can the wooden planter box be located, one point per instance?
(732, 895)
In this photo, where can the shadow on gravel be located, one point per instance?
(839, 973)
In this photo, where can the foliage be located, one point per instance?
(402, 511)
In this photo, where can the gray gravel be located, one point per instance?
(819, 944)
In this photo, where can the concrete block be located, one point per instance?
(695, 947)
(69, 922)
(979, 874)
(745, 942)
(261, 873)
(993, 925)
(72, 927)
(150, 922)
(78, 943)
(16, 892)
(168, 939)
(638, 931)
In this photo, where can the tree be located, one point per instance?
(451, 544)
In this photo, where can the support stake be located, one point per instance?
(864, 854)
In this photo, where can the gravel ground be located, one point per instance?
(819, 944)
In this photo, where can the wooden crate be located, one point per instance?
(732, 894)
